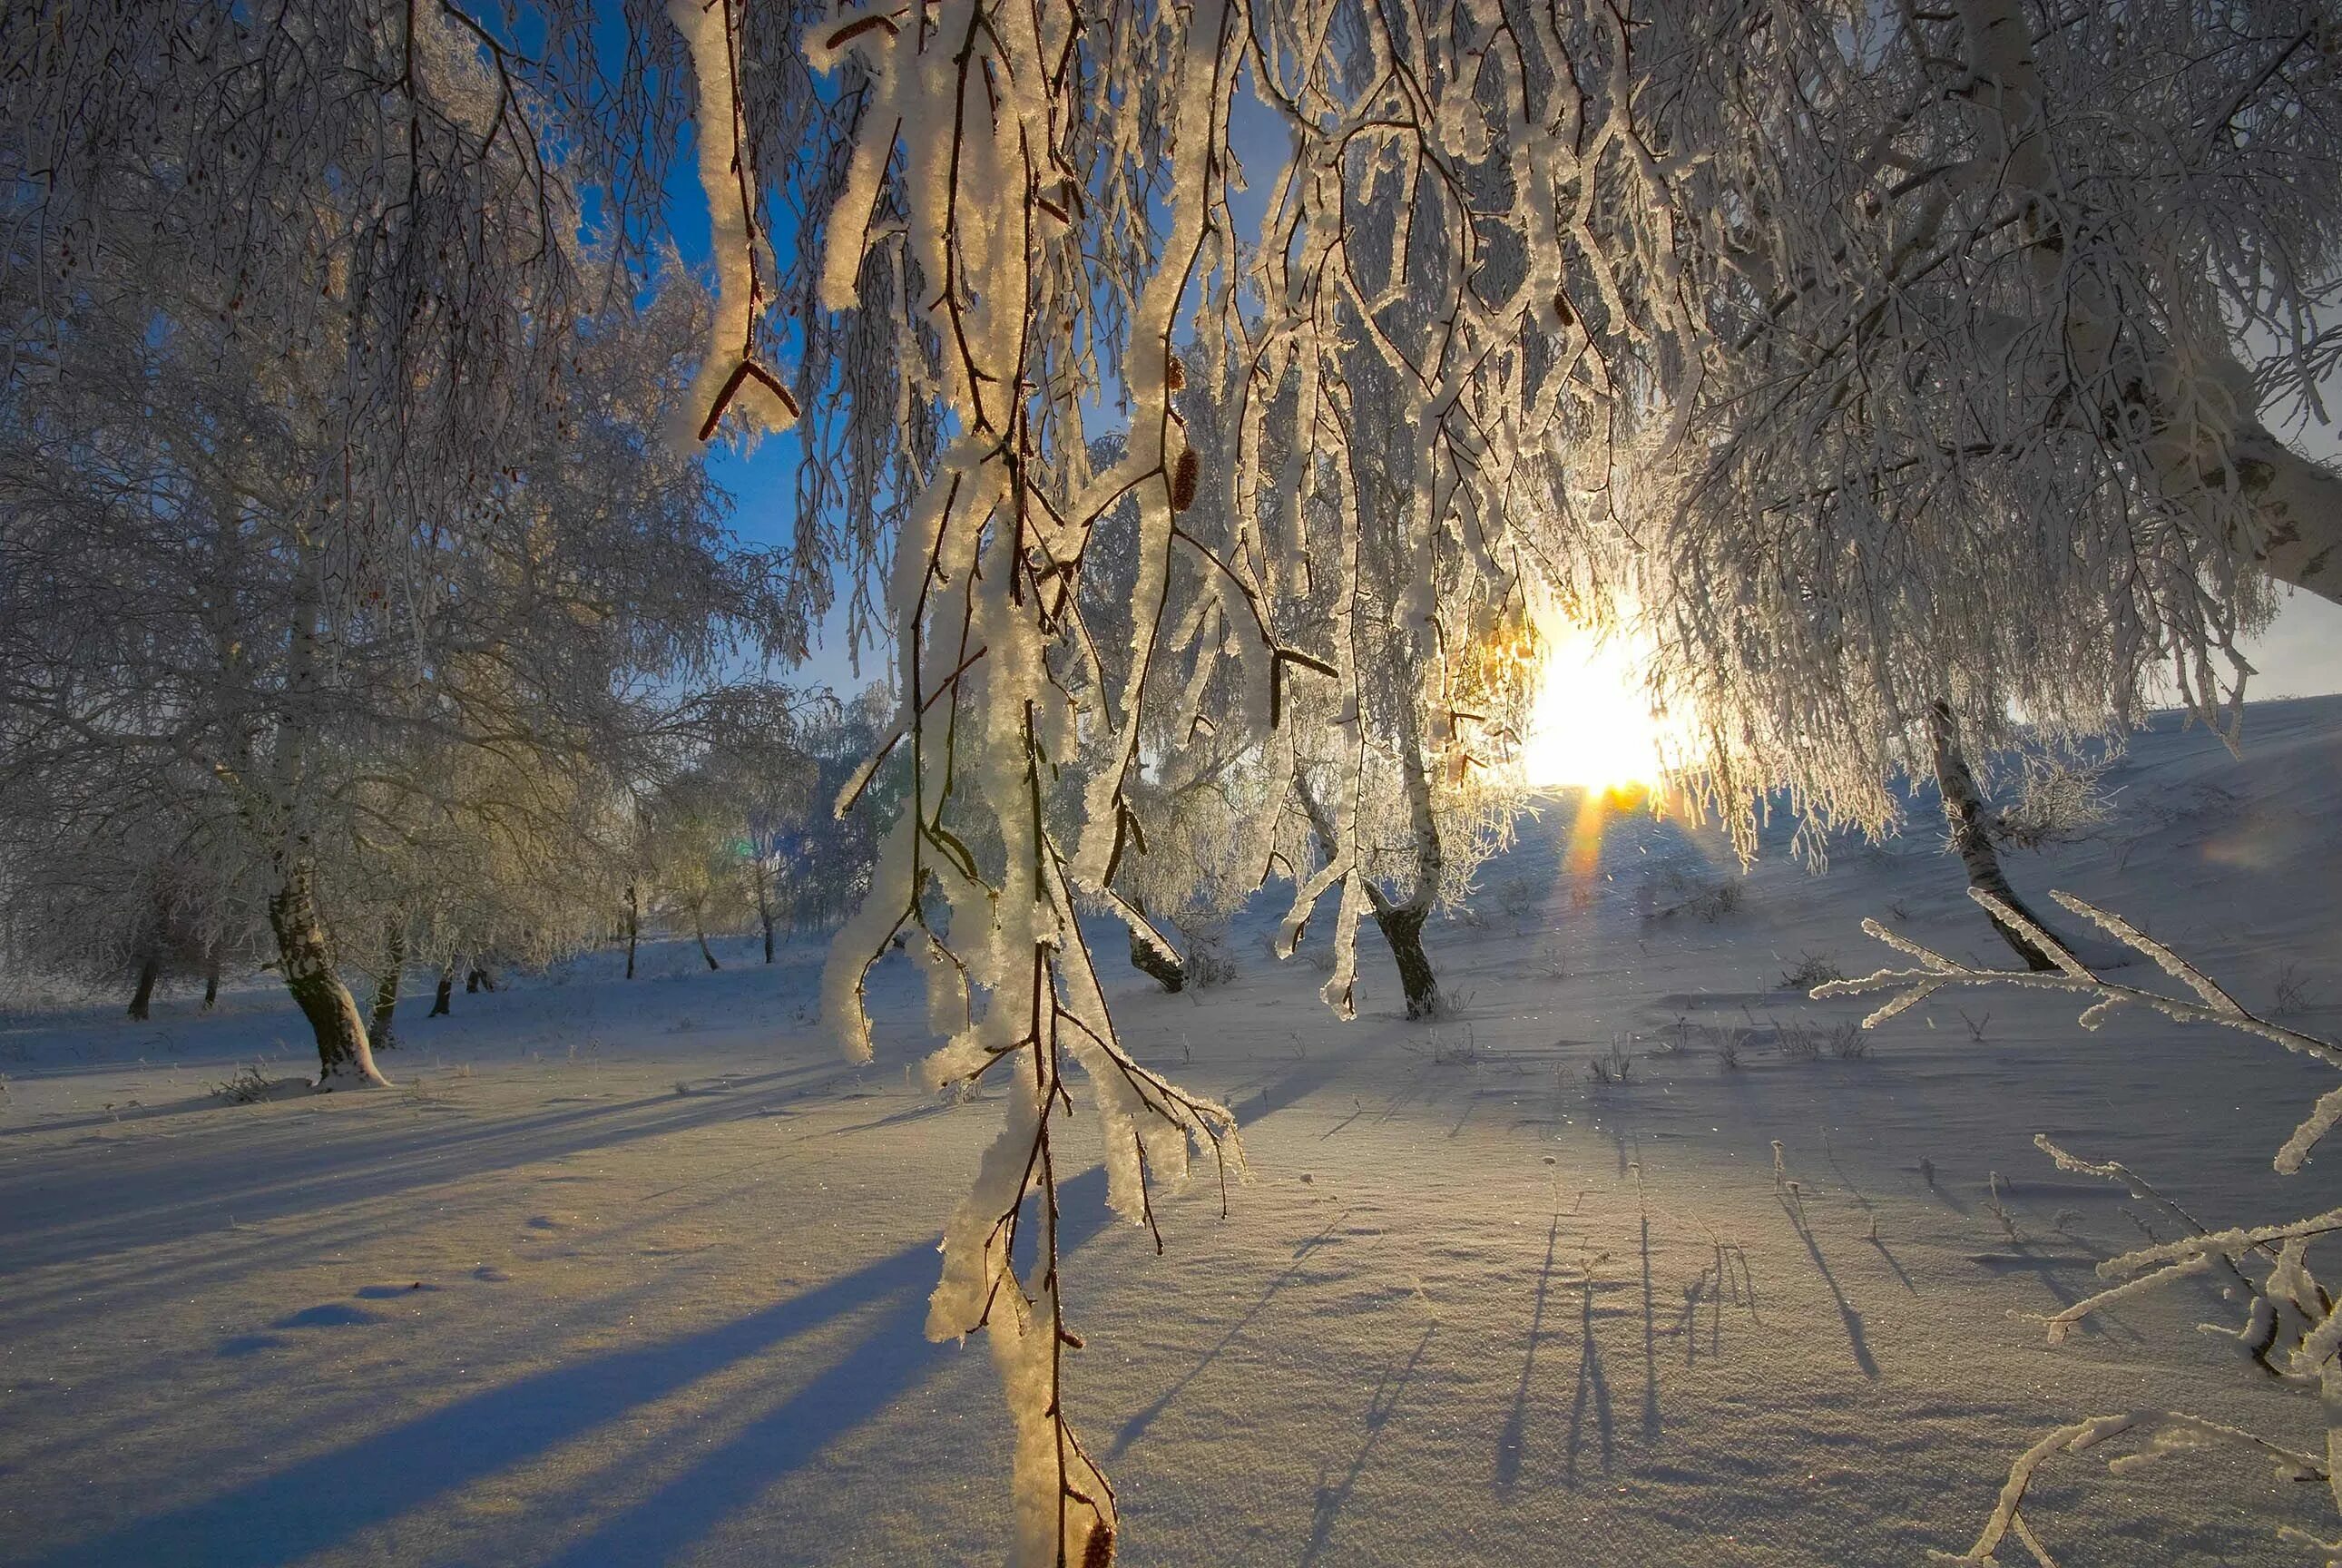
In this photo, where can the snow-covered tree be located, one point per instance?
(821, 863)
(1452, 264)
(699, 857)
(759, 780)
(2001, 308)
(124, 881)
(323, 425)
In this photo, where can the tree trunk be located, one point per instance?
(1400, 923)
(1968, 823)
(1168, 972)
(385, 990)
(344, 1058)
(698, 930)
(442, 1000)
(304, 953)
(765, 908)
(211, 982)
(634, 927)
(1402, 927)
(149, 969)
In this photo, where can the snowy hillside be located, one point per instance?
(628, 1274)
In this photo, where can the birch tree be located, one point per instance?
(296, 364)
(2004, 309)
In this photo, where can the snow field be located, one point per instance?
(630, 1274)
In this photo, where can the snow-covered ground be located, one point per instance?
(635, 1274)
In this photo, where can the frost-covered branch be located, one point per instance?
(2292, 1331)
(2210, 1005)
(991, 155)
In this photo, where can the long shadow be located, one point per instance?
(893, 1358)
(1510, 1442)
(1136, 1427)
(1331, 1500)
(1650, 1347)
(260, 1182)
(1895, 1264)
(321, 1500)
(116, 1118)
(1592, 1388)
(1845, 1309)
(1313, 1073)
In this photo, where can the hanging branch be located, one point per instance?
(980, 125)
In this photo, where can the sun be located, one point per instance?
(1592, 727)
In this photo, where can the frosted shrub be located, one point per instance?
(1704, 898)
(2290, 995)
(1522, 898)
(1613, 1066)
(2058, 802)
(248, 1085)
(1211, 960)
(1810, 970)
(2290, 1329)
(1796, 1043)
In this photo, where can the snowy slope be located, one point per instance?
(635, 1274)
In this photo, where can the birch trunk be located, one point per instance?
(304, 953)
(1400, 923)
(1165, 970)
(1402, 927)
(1968, 822)
(385, 990)
(149, 969)
(345, 1057)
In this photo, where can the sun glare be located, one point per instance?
(1592, 727)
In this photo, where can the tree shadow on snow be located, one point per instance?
(324, 1500)
(1136, 1427)
(1332, 1499)
(253, 1180)
(1510, 1441)
(1592, 1388)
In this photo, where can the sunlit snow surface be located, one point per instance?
(627, 1275)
